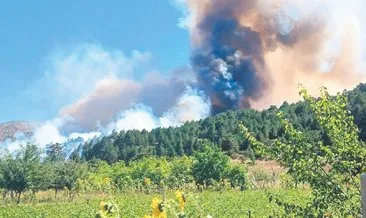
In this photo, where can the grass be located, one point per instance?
(216, 204)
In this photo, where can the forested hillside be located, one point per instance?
(221, 130)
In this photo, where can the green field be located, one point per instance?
(216, 204)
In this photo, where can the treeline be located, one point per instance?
(30, 172)
(221, 130)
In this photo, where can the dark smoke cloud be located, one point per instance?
(230, 62)
(227, 71)
(234, 42)
(227, 61)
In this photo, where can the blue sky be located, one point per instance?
(32, 32)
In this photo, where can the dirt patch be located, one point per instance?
(266, 166)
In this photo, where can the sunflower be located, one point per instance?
(147, 181)
(102, 204)
(157, 206)
(182, 199)
(106, 180)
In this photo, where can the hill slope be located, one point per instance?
(221, 130)
(9, 130)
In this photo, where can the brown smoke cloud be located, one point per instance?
(287, 43)
(290, 66)
(111, 96)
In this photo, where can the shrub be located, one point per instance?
(237, 176)
(209, 165)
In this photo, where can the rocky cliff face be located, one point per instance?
(10, 130)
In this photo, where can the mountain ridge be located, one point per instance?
(10, 129)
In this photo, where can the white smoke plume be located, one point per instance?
(123, 98)
(192, 105)
(138, 117)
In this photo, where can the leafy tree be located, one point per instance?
(237, 176)
(65, 175)
(19, 170)
(54, 152)
(210, 165)
(332, 170)
(14, 176)
(181, 172)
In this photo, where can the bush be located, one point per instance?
(237, 176)
(181, 172)
(210, 165)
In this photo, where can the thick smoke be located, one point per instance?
(191, 105)
(253, 53)
(114, 95)
(125, 97)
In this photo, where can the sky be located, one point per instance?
(40, 39)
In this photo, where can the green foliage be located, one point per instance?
(14, 176)
(99, 178)
(205, 167)
(210, 165)
(237, 176)
(217, 204)
(181, 172)
(20, 171)
(65, 175)
(54, 152)
(287, 181)
(331, 167)
(26, 173)
(157, 170)
(261, 178)
(108, 209)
